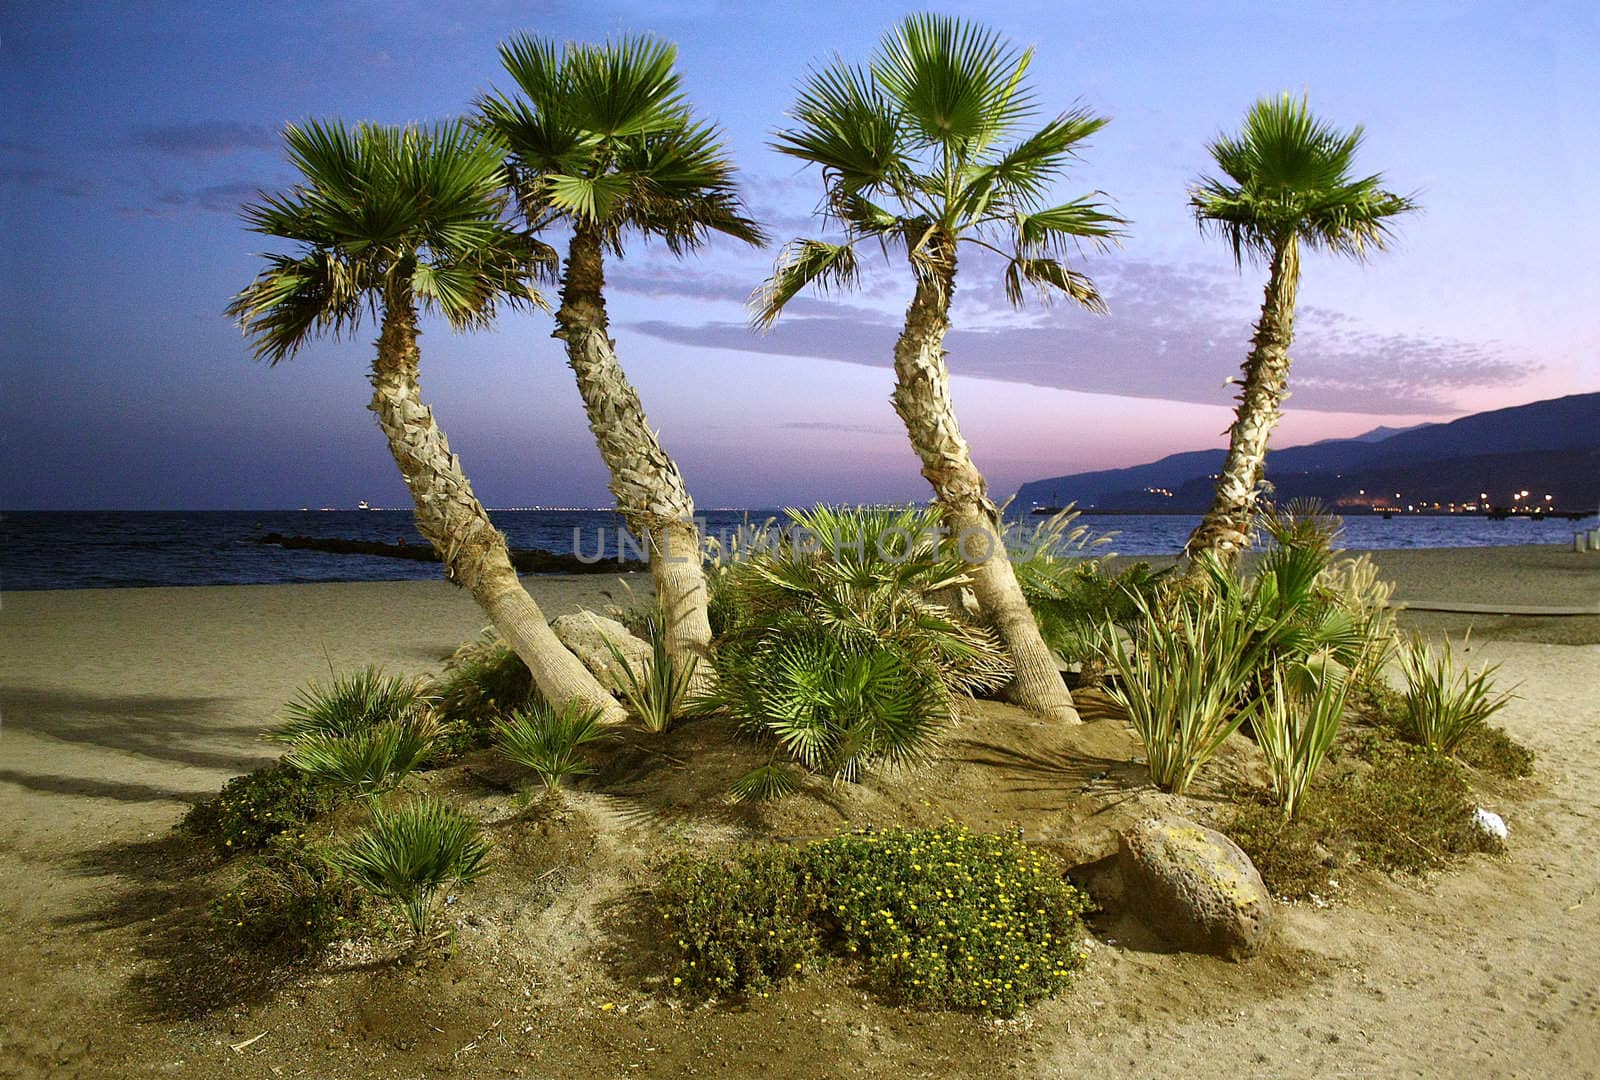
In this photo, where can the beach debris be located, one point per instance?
(240, 1047)
(586, 634)
(1490, 822)
(1194, 887)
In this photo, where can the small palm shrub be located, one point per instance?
(1444, 704)
(1296, 726)
(408, 853)
(834, 706)
(350, 704)
(546, 740)
(935, 916)
(251, 810)
(482, 681)
(836, 647)
(1185, 679)
(658, 694)
(866, 574)
(293, 900)
(367, 762)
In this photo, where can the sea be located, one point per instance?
(130, 549)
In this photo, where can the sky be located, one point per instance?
(131, 133)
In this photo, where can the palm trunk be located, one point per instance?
(649, 490)
(455, 523)
(1225, 529)
(922, 399)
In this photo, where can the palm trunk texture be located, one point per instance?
(650, 492)
(1225, 529)
(922, 399)
(455, 523)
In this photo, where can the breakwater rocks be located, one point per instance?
(526, 560)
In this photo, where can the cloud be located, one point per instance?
(217, 198)
(1175, 333)
(203, 140)
(49, 179)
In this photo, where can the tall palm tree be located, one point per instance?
(602, 142)
(916, 154)
(1287, 181)
(387, 221)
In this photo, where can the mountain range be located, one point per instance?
(1546, 448)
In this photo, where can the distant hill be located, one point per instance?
(1546, 447)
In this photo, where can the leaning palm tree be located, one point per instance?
(388, 221)
(917, 155)
(1287, 181)
(602, 142)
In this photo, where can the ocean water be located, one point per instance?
(96, 550)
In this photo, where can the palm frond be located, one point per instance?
(804, 263)
(1050, 277)
(1289, 174)
(385, 215)
(624, 88)
(959, 83)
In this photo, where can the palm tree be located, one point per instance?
(915, 157)
(387, 221)
(602, 142)
(1287, 181)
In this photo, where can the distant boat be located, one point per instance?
(362, 505)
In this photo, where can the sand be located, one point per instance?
(118, 708)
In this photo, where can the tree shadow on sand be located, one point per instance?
(155, 902)
(201, 731)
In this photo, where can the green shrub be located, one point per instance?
(657, 694)
(547, 741)
(350, 704)
(950, 917)
(1411, 812)
(743, 924)
(1070, 593)
(1444, 704)
(407, 854)
(369, 761)
(1287, 852)
(292, 900)
(252, 809)
(482, 682)
(935, 916)
(1489, 748)
(1485, 747)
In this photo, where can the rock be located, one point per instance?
(586, 634)
(1490, 822)
(1194, 887)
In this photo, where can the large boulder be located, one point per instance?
(1194, 887)
(586, 634)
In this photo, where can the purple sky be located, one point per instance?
(131, 132)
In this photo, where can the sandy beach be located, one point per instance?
(119, 708)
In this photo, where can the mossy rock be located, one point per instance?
(1194, 887)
